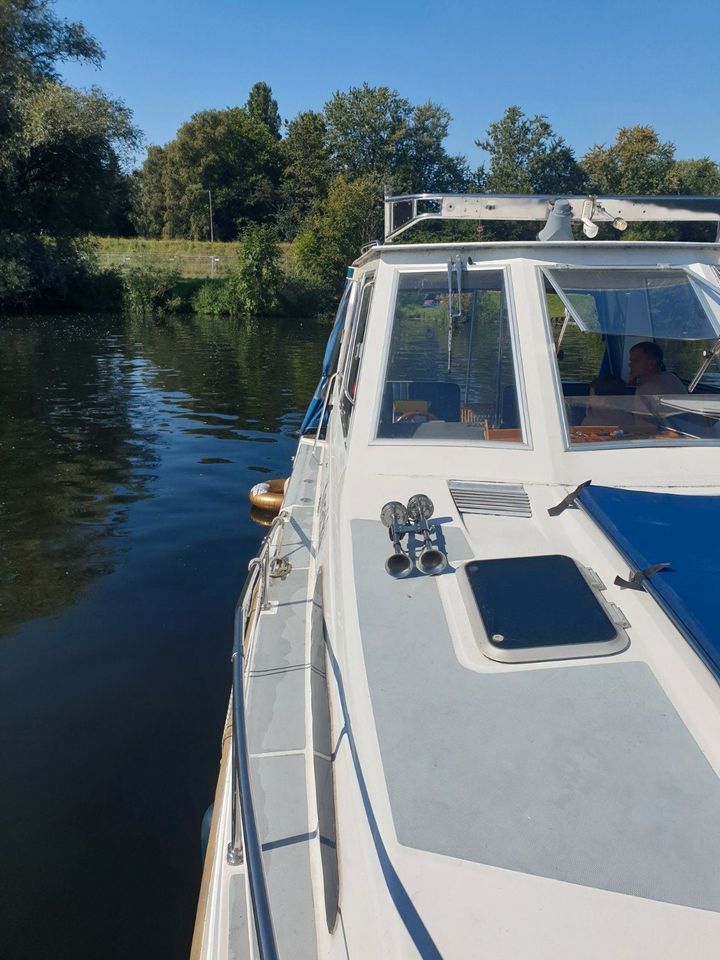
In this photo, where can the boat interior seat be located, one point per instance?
(575, 388)
(441, 398)
(509, 410)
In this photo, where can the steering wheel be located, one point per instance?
(415, 416)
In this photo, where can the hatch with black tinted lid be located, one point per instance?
(539, 608)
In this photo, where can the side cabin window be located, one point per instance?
(634, 354)
(452, 369)
(353, 355)
(316, 416)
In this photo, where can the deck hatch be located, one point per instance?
(500, 499)
(538, 608)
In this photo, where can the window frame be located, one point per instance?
(696, 282)
(346, 401)
(541, 271)
(441, 269)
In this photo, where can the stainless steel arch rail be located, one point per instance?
(403, 212)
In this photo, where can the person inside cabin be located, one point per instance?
(601, 411)
(648, 372)
(651, 379)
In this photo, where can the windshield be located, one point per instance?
(451, 378)
(635, 351)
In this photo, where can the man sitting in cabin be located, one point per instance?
(651, 379)
(648, 372)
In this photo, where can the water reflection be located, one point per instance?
(252, 373)
(127, 450)
(77, 446)
(84, 407)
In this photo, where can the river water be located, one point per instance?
(126, 452)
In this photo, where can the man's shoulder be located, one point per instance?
(662, 382)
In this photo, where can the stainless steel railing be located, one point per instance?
(245, 845)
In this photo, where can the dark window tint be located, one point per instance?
(527, 602)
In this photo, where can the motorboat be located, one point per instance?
(475, 705)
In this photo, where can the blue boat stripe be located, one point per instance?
(403, 904)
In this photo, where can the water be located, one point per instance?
(126, 452)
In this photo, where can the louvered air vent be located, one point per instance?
(504, 499)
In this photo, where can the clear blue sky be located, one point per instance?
(590, 65)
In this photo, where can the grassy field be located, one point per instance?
(191, 258)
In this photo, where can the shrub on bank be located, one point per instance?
(252, 288)
(150, 291)
(258, 286)
(41, 271)
(212, 298)
(295, 297)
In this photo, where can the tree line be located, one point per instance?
(316, 179)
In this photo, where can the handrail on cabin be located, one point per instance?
(402, 212)
(245, 841)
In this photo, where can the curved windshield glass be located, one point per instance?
(451, 371)
(637, 353)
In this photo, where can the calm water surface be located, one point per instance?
(126, 452)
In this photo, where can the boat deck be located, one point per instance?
(582, 773)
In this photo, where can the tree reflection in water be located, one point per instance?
(126, 453)
(76, 447)
(82, 408)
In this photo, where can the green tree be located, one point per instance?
(306, 170)
(527, 156)
(67, 155)
(148, 195)
(227, 152)
(427, 165)
(262, 106)
(62, 154)
(694, 177)
(329, 241)
(373, 131)
(637, 164)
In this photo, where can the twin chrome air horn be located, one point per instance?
(395, 516)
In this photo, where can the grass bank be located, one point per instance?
(188, 258)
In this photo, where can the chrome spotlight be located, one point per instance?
(394, 516)
(419, 510)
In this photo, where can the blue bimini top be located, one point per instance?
(682, 530)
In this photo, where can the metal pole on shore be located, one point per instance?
(212, 236)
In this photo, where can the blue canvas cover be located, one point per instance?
(682, 530)
(311, 420)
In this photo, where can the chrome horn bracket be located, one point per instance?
(401, 520)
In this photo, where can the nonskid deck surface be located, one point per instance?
(584, 774)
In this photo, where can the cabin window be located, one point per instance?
(634, 351)
(451, 378)
(354, 355)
